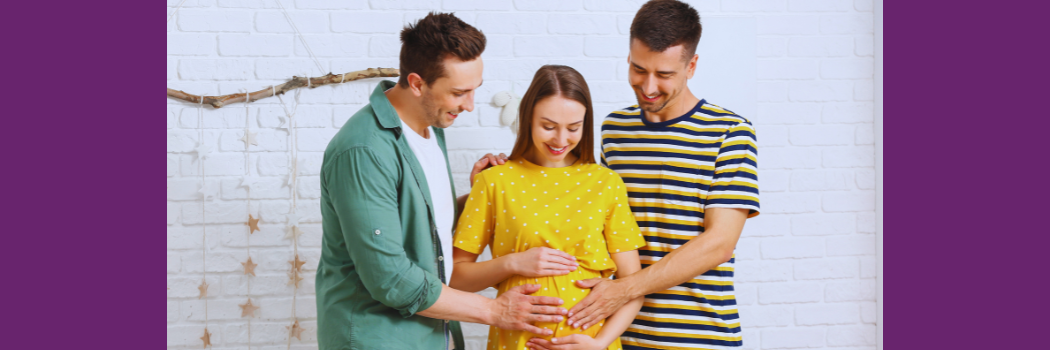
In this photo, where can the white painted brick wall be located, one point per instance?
(806, 271)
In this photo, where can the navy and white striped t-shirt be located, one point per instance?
(674, 171)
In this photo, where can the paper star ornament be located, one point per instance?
(297, 264)
(249, 137)
(293, 233)
(295, 330)
(294, 279)
(293, 226)
(247, 309)
(204, 290)
(206, 338)
(202, 150)
(249, 181)
(293, 219)
(253, 224)
(249, 267)
(206, 191)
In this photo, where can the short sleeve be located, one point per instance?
(621, 231)
(604, 162)
(474, 230)
(735, 182)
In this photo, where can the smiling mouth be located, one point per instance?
(556, 151)
(453, 115)
(650, 99)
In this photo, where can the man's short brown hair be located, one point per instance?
(426, 44)
(660, 24)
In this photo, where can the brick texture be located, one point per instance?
(806, 267)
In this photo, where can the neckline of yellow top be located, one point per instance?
(530, 165)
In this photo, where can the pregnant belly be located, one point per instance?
(563, 287)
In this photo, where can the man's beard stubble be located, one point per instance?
(432, 114)
(649, 107)
(652, 108)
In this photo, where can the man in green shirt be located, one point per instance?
(381, 280)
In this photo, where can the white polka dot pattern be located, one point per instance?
(517, 228)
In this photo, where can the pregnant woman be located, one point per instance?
(551, 216)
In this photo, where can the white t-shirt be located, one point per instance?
(435, 167)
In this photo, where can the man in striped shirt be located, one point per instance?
(691, 173)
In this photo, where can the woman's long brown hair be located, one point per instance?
(556, 80)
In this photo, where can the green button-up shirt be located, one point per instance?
(380, 250)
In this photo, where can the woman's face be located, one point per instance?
(557, 127)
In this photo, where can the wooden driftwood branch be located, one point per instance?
(294, 83)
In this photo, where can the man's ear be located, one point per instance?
(415, 84)
(691, 67)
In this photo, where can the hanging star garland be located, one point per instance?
(249, 267)
(206, 192)
(295, 330)
(293, 233)
(297, 264)
(253, 224)
(249, 137)
(247, 309)
(206, 338)
(294, 279)
(202, 150)
(204, 289)
(293, 223)
(293, 226)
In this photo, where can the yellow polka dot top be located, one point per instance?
(580, 209)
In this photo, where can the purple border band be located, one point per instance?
(965, 190)
(965, 131)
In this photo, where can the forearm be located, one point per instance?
(693, 258)
(512, 310)
(627, 264)
(474, 276)
(616, 324)
(457, 305)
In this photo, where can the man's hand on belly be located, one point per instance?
(605, 298)
(516, 310)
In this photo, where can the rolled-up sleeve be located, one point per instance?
(363, 191)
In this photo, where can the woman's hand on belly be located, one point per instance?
(569, 342)
(543, 262)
